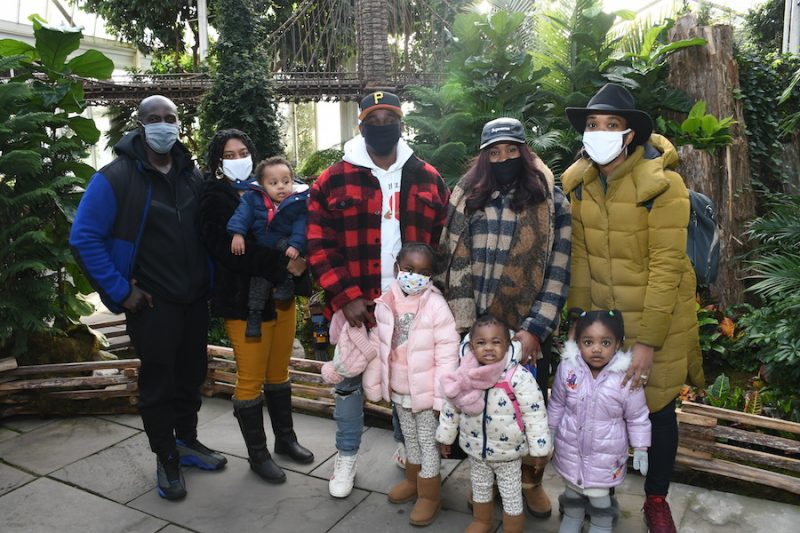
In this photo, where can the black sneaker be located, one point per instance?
(170, 478)
(285, 291)
(197, 454)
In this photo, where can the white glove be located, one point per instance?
(640, 461)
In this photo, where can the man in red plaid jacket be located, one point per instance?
(360, 211)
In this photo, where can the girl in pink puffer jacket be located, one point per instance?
(594, 420)
(413, 344)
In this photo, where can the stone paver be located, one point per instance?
(377, 471)
(11, 478)
(55, 445)
(121, 473)
(6, 434)
(376, 514)
(101, 477)
(716, 512)
(237, 500)
(46, 505)
(316, 434)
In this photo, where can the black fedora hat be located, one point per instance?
(613, 99)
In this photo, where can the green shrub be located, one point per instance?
(44, 141)
(319, 161)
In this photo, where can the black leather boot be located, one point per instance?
(250, 415)
(279, 405)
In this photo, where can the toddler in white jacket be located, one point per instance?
(499, 411)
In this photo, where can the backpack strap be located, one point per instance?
(505, 385)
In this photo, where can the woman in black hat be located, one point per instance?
(508, 238)
(630, 213)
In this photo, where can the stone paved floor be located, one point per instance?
(96, 474)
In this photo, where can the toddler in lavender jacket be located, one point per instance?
(594, 420)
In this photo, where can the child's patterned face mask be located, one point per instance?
(412, 283)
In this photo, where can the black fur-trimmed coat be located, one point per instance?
(232, 273)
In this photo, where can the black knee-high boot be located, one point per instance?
(250, 414)
(279, 405)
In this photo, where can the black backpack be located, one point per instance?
(702, 242)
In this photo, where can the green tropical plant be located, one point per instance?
(703, 131)
(319, 161)
(774, 328)
(719, 391)
(490, 74)
(43, 142)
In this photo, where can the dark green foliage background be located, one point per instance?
(243, 94)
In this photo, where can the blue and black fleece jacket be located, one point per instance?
(134, 222)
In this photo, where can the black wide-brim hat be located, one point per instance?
(613, 99)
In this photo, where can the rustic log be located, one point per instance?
(222, 364)
(62, 383)
(739, 453)
(723, 175)
(316, 392)
(8, 363)
(305, 377)
(689, 452)
(695, 420)
(787, 446)
(743, 418)
(306, 365)
(108, 324)
(74, 367)
(225, 377)
(743, 472)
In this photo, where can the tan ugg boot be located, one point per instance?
(482, 518)
(429, 500)
(406, 490)
(536, 500)
(513, 524)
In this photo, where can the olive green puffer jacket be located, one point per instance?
(628, 257)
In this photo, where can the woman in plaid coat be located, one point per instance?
(508, 237)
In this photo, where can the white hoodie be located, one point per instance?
(355, 153)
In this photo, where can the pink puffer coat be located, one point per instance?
(595, 420)
(432, 348)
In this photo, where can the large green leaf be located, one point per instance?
(91, 64)
(55, 43)
(10, 94)
(85, 129)
(21, 163)
(13, 47)
(81, 170)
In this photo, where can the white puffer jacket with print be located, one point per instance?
(494, 435)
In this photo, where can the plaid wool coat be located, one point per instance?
(344, 225)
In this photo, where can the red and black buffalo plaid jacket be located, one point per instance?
(344, 225)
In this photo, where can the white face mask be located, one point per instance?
(412, 283)
(237, 169)
(604, 146)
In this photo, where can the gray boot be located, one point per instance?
(574, 512)
(602, 519)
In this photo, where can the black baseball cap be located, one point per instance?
(502, 129)
(379, 100)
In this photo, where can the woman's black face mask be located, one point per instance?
(506, 172)
(382, 139)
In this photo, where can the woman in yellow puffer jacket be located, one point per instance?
(630, 213)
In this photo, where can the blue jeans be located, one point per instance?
(349, 415)
(396, 429)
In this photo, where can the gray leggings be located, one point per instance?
(419, 431)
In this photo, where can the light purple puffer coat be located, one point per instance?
(596, 420)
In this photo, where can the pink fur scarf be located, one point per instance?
(464, 388)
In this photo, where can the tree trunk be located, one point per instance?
(372, 26)
(710, 73)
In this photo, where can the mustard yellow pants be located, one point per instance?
(265, 359)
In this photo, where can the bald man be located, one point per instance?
(135, 237)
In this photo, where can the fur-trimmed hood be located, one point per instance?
(619, 363)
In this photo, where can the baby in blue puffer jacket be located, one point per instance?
(275, 212)
(594, 420)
